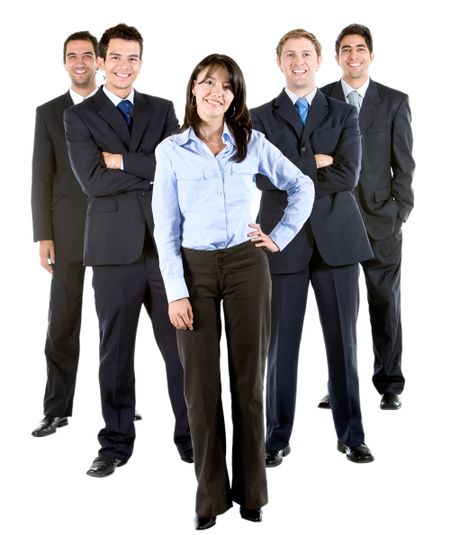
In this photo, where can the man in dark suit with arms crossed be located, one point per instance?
(111, 140)
(321, 136)
(385, 197)
(59, 212)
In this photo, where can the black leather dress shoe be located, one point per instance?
(204, 522)
(137, 416)
(254, 515)
(104, 466)
(390, 402)
(358, 454)
(275, 457)
(325, 402)
(48, 425)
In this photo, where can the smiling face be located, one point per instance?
(299, 62)
(354, 59)
(213, 93)
(121, 66)
(81, 64)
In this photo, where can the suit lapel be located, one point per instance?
(141, 117)
(285, 109)
(337, 92)
(66, 101)
(108, 112)
(369, 106)
(317, 111)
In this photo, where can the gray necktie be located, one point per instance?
(355, 98)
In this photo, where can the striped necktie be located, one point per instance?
(302, 106)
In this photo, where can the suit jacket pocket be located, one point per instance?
(101, 206)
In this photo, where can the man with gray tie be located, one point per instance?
(385, 198)
(321, 136)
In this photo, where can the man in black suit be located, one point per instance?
(59, 211)
(321, 136)
(385, 197)
(111, 140)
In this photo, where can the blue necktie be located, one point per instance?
(126, 108)
(302, 108)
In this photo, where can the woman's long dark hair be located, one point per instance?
(237, 115)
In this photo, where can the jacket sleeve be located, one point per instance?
(343, 173)
(143, 164)
(402, 161)
(43, 170)
(87, 163)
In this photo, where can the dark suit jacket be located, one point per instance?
(384, 190)
(119, 205)
(57, 201)
(335, 224)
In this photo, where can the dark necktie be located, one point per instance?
(126, 108)
(302, 108)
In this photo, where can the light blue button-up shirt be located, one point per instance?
(202, 201)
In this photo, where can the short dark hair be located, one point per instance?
(237, 115)
(121, 31)
(355, 29)
(81, 36)
(298, 34)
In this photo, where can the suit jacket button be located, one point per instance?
(303, 149)
(143, 194)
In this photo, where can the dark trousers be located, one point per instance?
(383, 292)
(120, 292)
(337, 296)
(239, 278)
(62, 347)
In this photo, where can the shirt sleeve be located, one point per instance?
(167, 218)
(299, 187)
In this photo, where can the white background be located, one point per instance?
(316, 490)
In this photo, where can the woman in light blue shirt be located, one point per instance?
(210, 252)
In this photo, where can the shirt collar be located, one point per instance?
(77, 98)
(309, 97)
(115, 99)
(190, 135)
(347, 89)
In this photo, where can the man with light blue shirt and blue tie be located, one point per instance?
(111, 140)
(321, 136)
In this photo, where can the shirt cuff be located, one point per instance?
(176, 289)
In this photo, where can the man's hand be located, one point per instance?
(112, 161)
(262, 240)
(181, 315)
(323, 160)
(47, 254)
